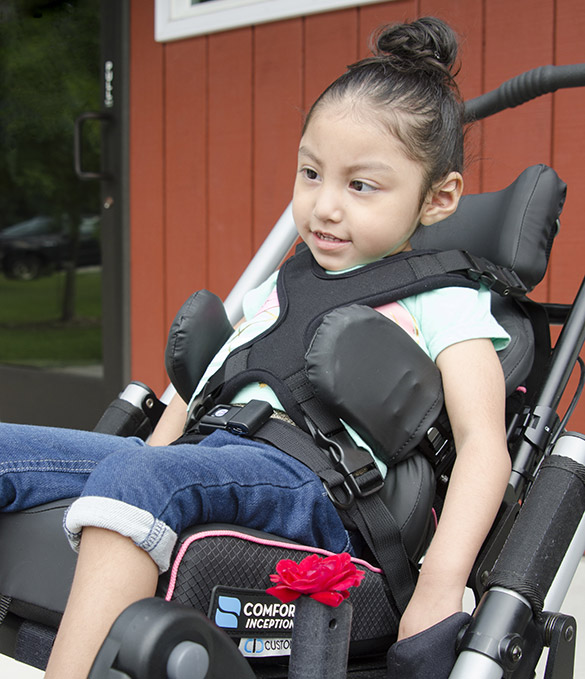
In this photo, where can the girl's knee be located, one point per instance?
(123, 468)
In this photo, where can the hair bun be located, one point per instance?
(426, 44)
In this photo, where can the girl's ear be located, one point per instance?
(442, 200)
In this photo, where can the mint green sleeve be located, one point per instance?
(450, 315)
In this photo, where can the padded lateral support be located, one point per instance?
(543, 531)
(200, 329)
(375, 377)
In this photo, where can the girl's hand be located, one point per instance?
(431, 603)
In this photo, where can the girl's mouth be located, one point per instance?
(327, 237)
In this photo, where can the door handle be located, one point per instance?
(77, 156)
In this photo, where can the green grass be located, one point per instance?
(31, 332)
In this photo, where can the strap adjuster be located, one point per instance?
(361, 475)
(504, 282)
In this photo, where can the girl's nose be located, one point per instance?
(328, 205)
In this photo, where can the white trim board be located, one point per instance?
(176, 19)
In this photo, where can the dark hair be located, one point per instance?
(410, 79)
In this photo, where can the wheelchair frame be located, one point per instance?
(484, 652)
(507, 635)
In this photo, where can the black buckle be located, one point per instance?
(243, 420)
(436, 447)
(357, 466)
(200, 406)
(504, 282)
(541, 427)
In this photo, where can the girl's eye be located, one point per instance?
(361, 187)
(310, 173)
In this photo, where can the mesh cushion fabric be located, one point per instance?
(228, 556)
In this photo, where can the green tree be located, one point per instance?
(49, 74)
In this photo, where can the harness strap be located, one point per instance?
(503, 281)
(382, 535)
(369, 514)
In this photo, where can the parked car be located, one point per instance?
(43, 244)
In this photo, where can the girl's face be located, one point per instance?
(357, 196)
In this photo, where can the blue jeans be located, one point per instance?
(151, 494)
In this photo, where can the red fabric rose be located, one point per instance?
(326, 580)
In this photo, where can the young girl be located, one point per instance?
(381, 153)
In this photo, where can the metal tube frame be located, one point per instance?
(564, 358)
(476, 661)
(489, 651)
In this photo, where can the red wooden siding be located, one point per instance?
(215, 122)
(147, 183)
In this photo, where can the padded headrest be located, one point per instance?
(513, 227)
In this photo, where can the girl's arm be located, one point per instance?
(474, 390)
(171, 424)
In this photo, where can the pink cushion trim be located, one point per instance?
(249, 538)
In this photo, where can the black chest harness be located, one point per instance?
(308, 358)
(306, 293)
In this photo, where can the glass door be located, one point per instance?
(62, 220)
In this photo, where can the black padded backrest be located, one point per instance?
(517, 358)
(513, 227)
